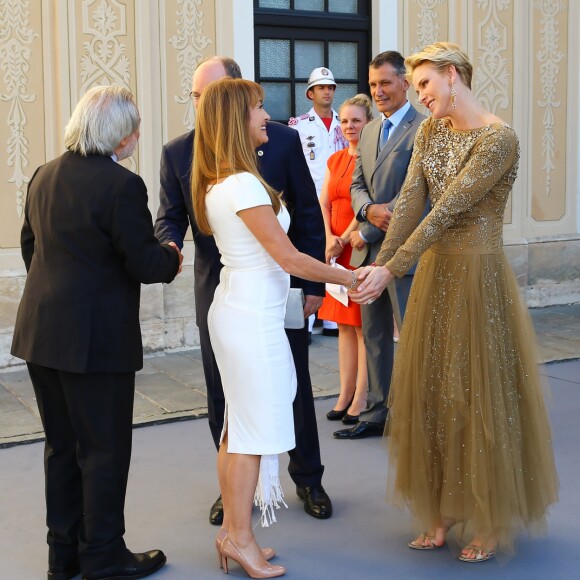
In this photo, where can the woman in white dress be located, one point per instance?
(246, 320)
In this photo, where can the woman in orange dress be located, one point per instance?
(339, 222)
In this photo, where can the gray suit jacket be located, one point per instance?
(378, 179)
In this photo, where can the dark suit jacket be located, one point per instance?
(87, 242)
(283, 166)
(379, 178)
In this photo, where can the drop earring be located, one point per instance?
(453, 96)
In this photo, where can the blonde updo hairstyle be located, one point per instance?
(442, 55)
(360, 100)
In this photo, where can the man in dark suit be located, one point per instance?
(87, 243)
(283, 166)
(384, 152)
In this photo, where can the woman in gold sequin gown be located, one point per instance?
(468, 432)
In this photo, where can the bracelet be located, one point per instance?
(354, 280)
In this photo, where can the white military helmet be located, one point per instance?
(320, 76)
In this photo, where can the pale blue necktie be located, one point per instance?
(385, 133)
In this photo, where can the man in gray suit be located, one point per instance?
(384, 153)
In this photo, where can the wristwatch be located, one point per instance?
(363, 211)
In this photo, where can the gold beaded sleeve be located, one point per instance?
(411, 202)
(490, 158)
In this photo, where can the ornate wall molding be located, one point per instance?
(16, 36)
(189, 42)
(549, 56)
(427, 23)
(104, 60)
(492, 80)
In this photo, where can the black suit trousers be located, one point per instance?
(305, 465)
(87, 420)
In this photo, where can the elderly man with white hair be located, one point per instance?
(87, 243)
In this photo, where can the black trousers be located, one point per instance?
(87, 420)
(305, 465)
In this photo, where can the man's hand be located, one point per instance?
(174, 245)
(372, 286)
(311, 305)
(379, 215)
(334, 248)
(356, 241)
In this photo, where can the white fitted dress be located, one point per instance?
(246, 326)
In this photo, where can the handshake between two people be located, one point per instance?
(372, 282)
(174, 245)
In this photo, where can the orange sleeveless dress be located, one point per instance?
(341, 166)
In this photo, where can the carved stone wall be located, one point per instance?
(525, 57)
(548, 108)
(429, 22)
(520, 51)
(525, 52)
(51, 52)
(493, 59)
(21, 110)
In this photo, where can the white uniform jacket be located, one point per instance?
(318, 144)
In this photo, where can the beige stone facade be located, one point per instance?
(525, 55)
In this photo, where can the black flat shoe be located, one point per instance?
(330, 332)
(216, 513)
(131, 566)
(336, 415)
(349, 419)
(316, 501)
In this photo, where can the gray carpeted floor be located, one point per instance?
(173, 483)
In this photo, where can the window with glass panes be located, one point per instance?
(293, 37)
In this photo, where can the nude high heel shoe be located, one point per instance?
(229, 550)
(268, 553)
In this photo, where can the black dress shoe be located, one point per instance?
(316, 501)
(56, 573)
(361, 430)
(216, 513)
(131, 566)
(349, 419)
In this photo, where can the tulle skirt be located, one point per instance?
(468, 431)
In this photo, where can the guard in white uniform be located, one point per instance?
(318, 141)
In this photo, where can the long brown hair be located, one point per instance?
(222, 141)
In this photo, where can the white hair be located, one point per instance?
(103, 117)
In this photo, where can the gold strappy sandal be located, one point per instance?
(419, 543)
(481, 554)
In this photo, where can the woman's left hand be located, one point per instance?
(372, 286)
(334, 248)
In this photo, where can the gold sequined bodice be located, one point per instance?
(467, 176)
